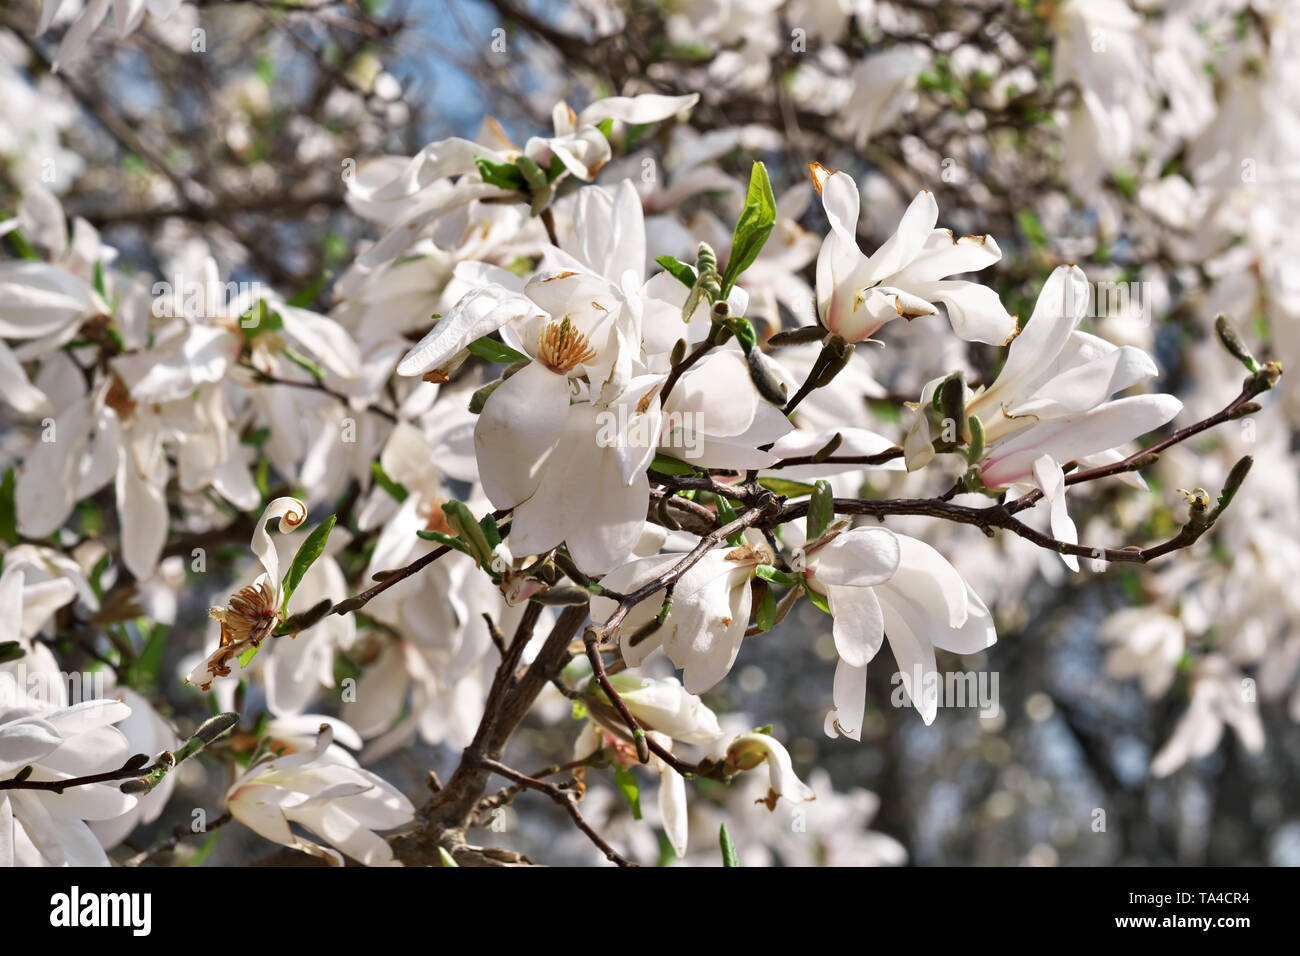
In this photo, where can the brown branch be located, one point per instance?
(566, 798)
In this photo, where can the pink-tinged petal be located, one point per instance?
(1078, 436)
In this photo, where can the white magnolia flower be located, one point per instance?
(881, 84)
(857, 293)
(710, 610)
(750, 750)
(127, 15)
(1051, 402)
(338, 801)
(59, 741)
(882, 585)
(1147, 643)
(1220, 695)
(581, 146)
(147, 733)
(667, 712)
(715, 418)
(254, 611)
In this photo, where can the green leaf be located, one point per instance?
(449, 540)
(208, 846)
(8, 511)
(490, 530)
(729, 855)
(786, 487)
(494, 351)
(447, 858)
(303, 362)
(249, 654)
(625, 780)
(310, 550)
(395, 488)
(100, 287)
(144, 669)
(766, 613)
(678, 270)
(726, 515)
(469, 531)
(501, 175)
(821, 510)
(309, 293)
(260, 318)
(21, 246)
(752, 228)
(775, 575)
(819, 600)
(667, 465)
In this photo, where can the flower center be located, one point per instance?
(250, 616)
(562, 347)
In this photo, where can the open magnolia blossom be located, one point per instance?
(255, 610)
(57, 741)
(751, 750)
(1220, 696)
(336, 800)
(667, 713)
(857, 293)
(711, 603)
(580, 145)
(880, 585)
(1051, 402)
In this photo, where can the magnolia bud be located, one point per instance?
(769, 386)
(1227, 333)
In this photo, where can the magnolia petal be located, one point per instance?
(480, 312)
(517, 432)
(857, 558)
(913, 653)
(859, 626)
(900, 249)
(672, 807)
(849, 693)
(1051, 482)
(975, 311)
(291, 513)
